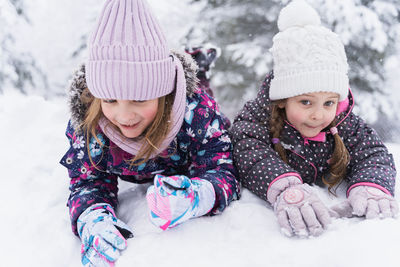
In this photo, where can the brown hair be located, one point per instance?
(337, 163)
(152, 137)
(276, 122)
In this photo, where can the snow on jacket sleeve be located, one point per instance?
(257, 162)
(211, 157)
(370, 162)
(89, 184)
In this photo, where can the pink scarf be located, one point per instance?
(133, 146)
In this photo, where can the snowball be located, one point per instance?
(297, 13)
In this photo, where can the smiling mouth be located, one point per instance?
(129, 126)
(311, 127)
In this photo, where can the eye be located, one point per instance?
(138, 101)
(305, 102)
(109, 101)
(329, 103)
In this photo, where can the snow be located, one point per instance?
(36, 227)
(34, 186)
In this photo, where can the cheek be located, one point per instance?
(332, 115)
(294, 116)
(107, 112)
(150, 113)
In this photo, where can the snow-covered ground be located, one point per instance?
(35, 227)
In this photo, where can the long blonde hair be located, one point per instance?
(153, 136)
(337, 163)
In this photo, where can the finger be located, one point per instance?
(314, 227)
(340, 210)
(283, 222)
(384, 207)
(113, 237)
(84, 252)
(372, 210)
(359, 206)
(105, 249)
(394, 206)
(297, 222)
(322, 213)
(92, 258)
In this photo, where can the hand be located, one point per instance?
(301, 212)
(103, 236)
(175, 199)
(372, 202)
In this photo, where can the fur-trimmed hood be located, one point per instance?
(78, 83)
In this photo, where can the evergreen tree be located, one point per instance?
(17, 68)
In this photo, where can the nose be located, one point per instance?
(317, 114)
(126, 114)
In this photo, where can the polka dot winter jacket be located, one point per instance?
(202, 148)
(259, 165)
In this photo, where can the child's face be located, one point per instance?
(312, 112)
(131, 117)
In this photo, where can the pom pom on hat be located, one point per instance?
(307, 56)
(289, 15)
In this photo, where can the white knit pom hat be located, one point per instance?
(307, 56)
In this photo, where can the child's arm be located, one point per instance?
(257, 162)
(88, 185)
(371, 171)
(211, 159)
(208, 185)
(87, 191)
(370, 162)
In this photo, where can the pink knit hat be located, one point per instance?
(129, 59)
(129, 56)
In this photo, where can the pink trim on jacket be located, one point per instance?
(283, 176)
(368, 184)
(321, 137)
(342, 106)
(351, 108)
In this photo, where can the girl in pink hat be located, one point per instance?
(138, 114)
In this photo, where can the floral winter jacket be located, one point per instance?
(259, 165)
(202, 148)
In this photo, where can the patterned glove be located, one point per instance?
(372, 202)
(298, 208)
(102, 235)
(175, 199)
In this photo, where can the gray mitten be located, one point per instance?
(299, 210)
(372, 202)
